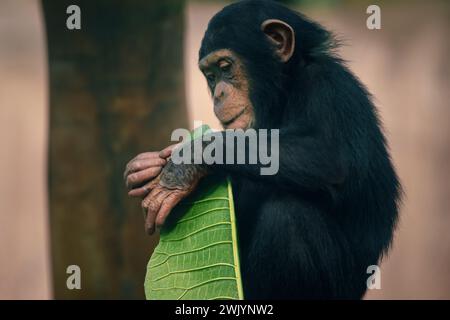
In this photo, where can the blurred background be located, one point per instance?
(76, 105)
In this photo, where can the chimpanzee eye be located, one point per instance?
(225, 66)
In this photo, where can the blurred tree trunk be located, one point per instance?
(116, 89)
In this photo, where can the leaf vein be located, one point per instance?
(219, 264)
(196, 231)
(168, 255)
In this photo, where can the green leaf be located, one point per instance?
(197, 255)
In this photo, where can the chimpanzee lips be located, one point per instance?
(230, 121)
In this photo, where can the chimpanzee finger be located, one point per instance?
(146, 155)
(166, 152)
(152, 204)
(166, 207)
(135, 179)
(150, 209)
(145, 189)
(140, 192)
(142, 164)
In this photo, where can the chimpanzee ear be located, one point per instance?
(282, 36)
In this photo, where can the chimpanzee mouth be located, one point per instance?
(230, 121)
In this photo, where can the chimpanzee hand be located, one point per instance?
(163, 193)
(142, 169)
(173, 184)
(145, 167)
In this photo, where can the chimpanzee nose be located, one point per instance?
(219, 94)
(218, 98)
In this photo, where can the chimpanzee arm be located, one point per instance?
(305, 162)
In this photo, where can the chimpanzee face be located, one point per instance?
(228, 79)
(229, 86)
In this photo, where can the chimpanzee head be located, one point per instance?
(250, 56)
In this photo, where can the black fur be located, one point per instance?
(312, 230)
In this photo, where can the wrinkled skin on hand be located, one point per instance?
(161, 183)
